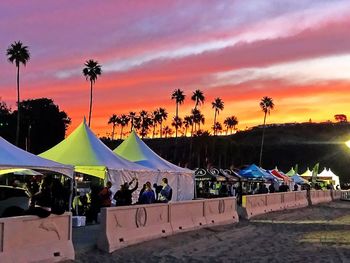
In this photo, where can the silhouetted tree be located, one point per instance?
(19, 54)
(7, 122)
(340, 118)
(198, 98)
(266, 105)
(162, 115)
(91, 71)
(230, 123)
(188, 122)
(179, 97)
(217, 105)
(123, 120)
(114, 121)
(45, 124)
(176, 123)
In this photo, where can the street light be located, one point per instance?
(348, 143)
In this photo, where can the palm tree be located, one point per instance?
(188, 122)
(123, 121)
(91, 71)
(266, 104)
(217, 105)
(167, 131)
(179, 97)
(19, 54)
(217, 127)
(132, 116)
(155, 120)
(162, 115)
(198, 118)
(230, 123)
(177, 123)
(114, 120)
(145, 123)
(198, 98)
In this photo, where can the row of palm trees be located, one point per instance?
(17, 53)
(144, 121)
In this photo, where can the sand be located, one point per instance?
(314, 234)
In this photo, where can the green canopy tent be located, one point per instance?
(89, 155)
(180, 179)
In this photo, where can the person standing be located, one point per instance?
(105, 195)
(147, 197)
(123, 196)
(166, 193)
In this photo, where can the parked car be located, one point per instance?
(13, 197)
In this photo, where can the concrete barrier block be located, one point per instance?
(254, 205)
(124, 226)
(33, 239)
(221, 211)
(187, 215)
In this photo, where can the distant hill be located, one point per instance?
(285, 145)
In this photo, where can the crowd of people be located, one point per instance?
(46, 197)
(90, 204)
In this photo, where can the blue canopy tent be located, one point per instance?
(254, 172)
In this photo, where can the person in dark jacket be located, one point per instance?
(105, 195)
(123, 196)
(147, 196)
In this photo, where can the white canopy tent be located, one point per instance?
(329, 175)
(180, 179)
(13, 157)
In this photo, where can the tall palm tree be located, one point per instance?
(91, 71)
(188, 121)
(266, 105)
(179, 97)
(123, 121)
(114, 120)
(162, 116)
(217, 105)
(198, 98)
(230, 123)
(19, 54)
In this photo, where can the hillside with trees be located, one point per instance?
(285, 146)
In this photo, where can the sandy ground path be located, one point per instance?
(313, 234)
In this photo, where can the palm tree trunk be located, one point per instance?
(131, 123)
(113, 131)
(121, 132)
(214, 123)
(154, 130)
(90, 102)
(18, 108)
(262, 140)
(177, 115)
(161, 129)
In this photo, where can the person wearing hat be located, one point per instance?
(123, 196)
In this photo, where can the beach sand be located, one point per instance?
(314, 234)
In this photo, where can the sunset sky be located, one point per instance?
(297, 52)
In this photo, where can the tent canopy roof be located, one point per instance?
(88, 154)
(254, 171)
(135, 150)
(14, 157)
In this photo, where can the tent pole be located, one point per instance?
(71, 193)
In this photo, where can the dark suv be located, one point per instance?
(13, 196)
